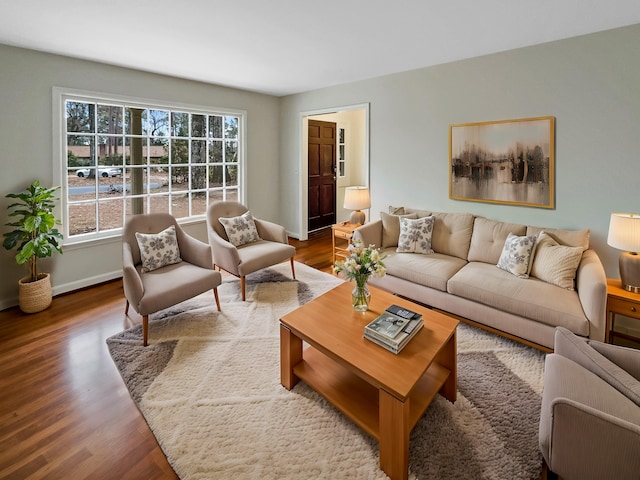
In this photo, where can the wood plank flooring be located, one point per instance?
(64, 410)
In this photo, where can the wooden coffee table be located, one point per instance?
(383, 393)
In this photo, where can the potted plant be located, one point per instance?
(35, 237)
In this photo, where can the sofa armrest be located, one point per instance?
(369, 233)
(591, 284)
(195, 251)
(224, 254)
(131, 281)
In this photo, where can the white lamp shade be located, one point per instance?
(356, 198)
(624, 232)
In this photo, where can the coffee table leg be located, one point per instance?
(447, 358)
(290, 356)
(394, 436)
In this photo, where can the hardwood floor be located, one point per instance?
(64, 410)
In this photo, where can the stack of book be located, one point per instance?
(394, 328)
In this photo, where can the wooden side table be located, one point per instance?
(341, 234)
(620, 302)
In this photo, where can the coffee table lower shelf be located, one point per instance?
(358, 399)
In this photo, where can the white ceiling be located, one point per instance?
(281, 47)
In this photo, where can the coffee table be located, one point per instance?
(383, 393)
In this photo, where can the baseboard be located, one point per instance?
(68, 287)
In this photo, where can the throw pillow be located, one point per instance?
(391, 228)
(396, 210)
(415, 235)
(240, 230)
(516, 255)
(158, 249)
(555, 263)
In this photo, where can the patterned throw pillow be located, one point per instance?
(555, 263)
(415, 235)
(516, 255)
(158, 249)
(240, 230)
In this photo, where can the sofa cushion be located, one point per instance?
(432, 271)
(396, 210)
(517, 254)
(528, 298)
(555, 263)
(452, 234)
(488, 239)
(391, 228)
(572, 238)
(576, 349)
(415, 235)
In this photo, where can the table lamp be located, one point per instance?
(357, 198)
(624, 234)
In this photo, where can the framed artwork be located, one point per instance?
(506, 161)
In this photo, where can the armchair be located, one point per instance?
(270, 248)
(151, 291)
(590, 418)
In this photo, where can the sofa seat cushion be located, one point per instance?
(529, 298)
(432, 271)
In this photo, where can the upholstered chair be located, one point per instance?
(254, 244)
(590, 418)
(160, 275)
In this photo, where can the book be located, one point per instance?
(403, 312)
(387, 325)
(400, 341)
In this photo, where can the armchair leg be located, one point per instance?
(145, 330)
(215, 294)
(243, 286)
(126, 308)
(293, 270)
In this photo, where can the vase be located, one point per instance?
(360, 298)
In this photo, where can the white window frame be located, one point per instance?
(61, 95)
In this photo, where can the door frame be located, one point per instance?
(303, 194)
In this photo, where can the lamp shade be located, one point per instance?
(356, 198)
(624, 232)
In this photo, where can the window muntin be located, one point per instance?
(123, 159)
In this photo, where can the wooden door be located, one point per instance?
(321, 174)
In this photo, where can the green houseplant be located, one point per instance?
(35, 236)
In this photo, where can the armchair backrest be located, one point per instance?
(225, 209)
(146, 223)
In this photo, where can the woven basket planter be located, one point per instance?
(35, 296)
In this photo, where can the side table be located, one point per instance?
(341, 234)
(620, 302)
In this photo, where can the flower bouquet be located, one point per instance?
(361, 263)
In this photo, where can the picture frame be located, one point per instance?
(506, 161)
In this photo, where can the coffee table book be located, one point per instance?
(396, 344)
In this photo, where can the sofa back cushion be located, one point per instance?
(452, 234)
(489, 237)
(571, 238)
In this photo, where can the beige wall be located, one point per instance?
(590, 84)
(26, 81)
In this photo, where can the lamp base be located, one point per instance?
(630, 271)
(357, 217)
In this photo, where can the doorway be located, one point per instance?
(321, 174)
(351, 157)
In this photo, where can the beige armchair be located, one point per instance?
(270, 248)
(151, 291)
(590, 418)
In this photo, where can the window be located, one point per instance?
(124, 158)
(342, 156)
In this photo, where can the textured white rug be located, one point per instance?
(209, 387)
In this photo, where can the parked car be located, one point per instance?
(103, 172)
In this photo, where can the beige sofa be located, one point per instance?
(461, 276)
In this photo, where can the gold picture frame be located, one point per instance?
(507, 161)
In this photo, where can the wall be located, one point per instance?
(590, 84)
(26, 81)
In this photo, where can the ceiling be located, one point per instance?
(280, 47)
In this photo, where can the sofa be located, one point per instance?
(449, 261)
(590, 415)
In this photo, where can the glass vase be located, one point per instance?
(360, 298)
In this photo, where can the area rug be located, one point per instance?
(209, 387)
